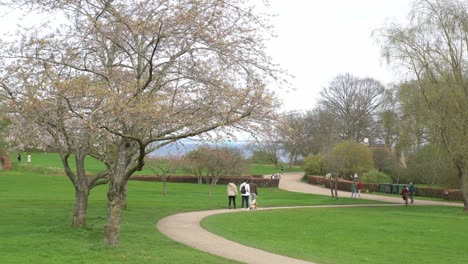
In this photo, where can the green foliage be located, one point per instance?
(260, 157)
(314, 165)
(384, 159)
(431, 165)
(349, 157)
(383, 235)
(374, 176)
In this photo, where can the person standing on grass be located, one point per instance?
(404, 194)
(360, 187)
(19, 157)
(29, 158)
(245, 193)
(411, 191)
(232, 193)
(253, 194)
(353, 189)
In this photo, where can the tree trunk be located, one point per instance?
(81, 206)
(114, 215)
(336, 188)
(164, 187)
(124, 195)
(331, 188)
(464, 186)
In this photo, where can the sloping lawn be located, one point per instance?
(36, 213)
(414, 234)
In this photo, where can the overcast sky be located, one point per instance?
(319, 39)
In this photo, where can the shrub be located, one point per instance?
(314, 165)
(375, 177)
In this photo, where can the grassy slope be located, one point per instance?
(52, 161)
(35, 217)
(353, 235)
(36, 212)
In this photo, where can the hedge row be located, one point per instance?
(224, 180)
(450, 195)
(344, 185)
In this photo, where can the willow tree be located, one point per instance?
(434, 48)
(159, 70)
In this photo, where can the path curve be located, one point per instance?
(185, 227)
(292, 182)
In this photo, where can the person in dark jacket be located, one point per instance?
(411, 191)
(253, 196)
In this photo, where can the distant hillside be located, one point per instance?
(182, 147)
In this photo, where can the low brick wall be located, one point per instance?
(344, 185)
(224, 180)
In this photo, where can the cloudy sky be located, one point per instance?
(319, 39)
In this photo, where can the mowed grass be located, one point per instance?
(50, 163)
(414, 234)
(36, 215)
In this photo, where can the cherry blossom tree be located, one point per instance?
(153, 72)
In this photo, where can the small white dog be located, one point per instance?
(254, 204)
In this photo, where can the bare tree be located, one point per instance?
(163, 168)
(268, 140)
(290, 127)
(158, 71)
(211, 163)
(354, 102)
(433, 47)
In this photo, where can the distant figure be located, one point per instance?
(404, 195)
(29, 158)
(245, 193)
(19, 157)
(281, 168)
(232, 193)
(411, 191)
(360, 187)
(253, 196)
(353, 190)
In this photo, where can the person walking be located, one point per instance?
(360, 187)
(245, 193)
(232, 193)
(353, 189)
(29, 158)
(19, 157)
(411, 191)
(253, 196)
(404, 194)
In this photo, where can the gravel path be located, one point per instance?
(185, 227)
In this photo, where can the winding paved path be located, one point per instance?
(185, 227)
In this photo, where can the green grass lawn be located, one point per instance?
(50, 163)
(413, 234)
(36, 213)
